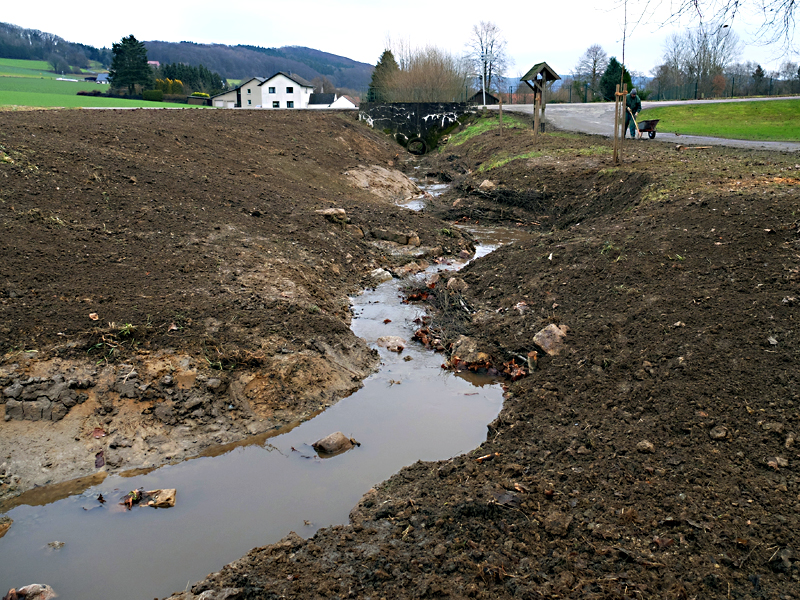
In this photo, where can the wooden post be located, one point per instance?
(537, 107)
(500, 113)
(616, 126)
(619, 121)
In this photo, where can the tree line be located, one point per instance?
(63, 56)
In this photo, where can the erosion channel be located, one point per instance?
(258, 490)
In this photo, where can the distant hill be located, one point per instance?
(32, 44)
(231, 62)
(240, 62)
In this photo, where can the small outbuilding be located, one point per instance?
(477, 98)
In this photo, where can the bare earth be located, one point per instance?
(653, 457)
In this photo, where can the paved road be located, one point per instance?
(598, 118)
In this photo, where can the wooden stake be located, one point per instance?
(500, 112)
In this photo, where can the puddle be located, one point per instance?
(254, 492)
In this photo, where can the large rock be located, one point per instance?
(335, 443)
(551, 339)
(36, 591)
(386, 183)
(381, 275)
(161, 498)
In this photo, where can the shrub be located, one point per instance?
(153, 95)
(200, 95)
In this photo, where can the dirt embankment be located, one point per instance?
(655, 456)
(173, 280)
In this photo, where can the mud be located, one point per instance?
(654, 457)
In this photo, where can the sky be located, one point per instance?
(557, 32)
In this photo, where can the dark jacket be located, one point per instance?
(634, 103)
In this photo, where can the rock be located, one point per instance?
(773, 427)
(355, 230)
(408, 269)
(36, 591)
(214, 384)
(456, 284)
(466, 349)
(440, 550)
(58, 411)
(381, 275)
(719, 432)
(413, 239)
(335, 443)
(487, 185)
(393, 343)
(161, 498)
(14, 410)
(645, 447)
(5, 524)
(551, 339)
(334, 215)
(398, 237)
(13, 391)
(386, 183)
(557, 523)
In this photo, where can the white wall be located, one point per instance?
(299, 94)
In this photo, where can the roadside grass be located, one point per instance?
(488, 123)
(48, 93)
(770, 120)
(499, 161)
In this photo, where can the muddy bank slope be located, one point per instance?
(655, 454)
(173, 280)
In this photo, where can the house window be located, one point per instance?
(290, 90)
(248, 90)
(272, 90)
(276, 104)
(290, 104)
(249, 101)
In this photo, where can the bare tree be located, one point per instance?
(697, 56)
(487, 53)
(590, 68)
(776, 20)
(427, 74)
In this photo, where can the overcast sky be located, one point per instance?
(555, 31)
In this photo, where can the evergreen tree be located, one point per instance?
(381, 78)
(129, 66)
(758, 78)
(611, 77)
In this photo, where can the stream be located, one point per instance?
(254, 492)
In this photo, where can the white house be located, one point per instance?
(282, 90)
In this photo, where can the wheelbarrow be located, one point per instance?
(648, 127)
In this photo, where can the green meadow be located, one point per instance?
(30, 83)
(769, 120)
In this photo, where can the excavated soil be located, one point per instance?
(169, 283)
(652, 456)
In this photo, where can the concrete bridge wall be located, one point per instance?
(415, 125)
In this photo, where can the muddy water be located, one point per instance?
(255, 492)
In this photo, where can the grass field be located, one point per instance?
(31, 83)
(773, 120)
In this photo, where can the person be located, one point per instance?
(633, 104)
